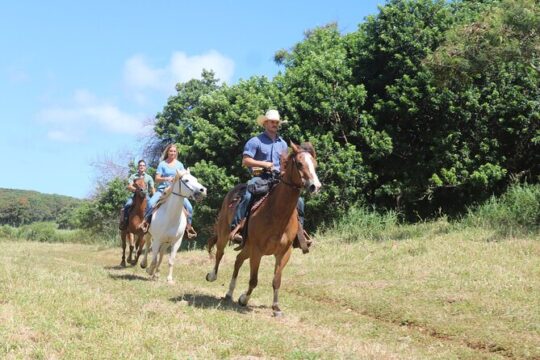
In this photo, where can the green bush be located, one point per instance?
(39, 231)
(362, 224)
(515, 212)
(7, 231)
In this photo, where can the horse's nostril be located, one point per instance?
(312, 188)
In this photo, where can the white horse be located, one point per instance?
(169, 221)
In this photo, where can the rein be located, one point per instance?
(186, 185)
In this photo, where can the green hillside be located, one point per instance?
(19, 207)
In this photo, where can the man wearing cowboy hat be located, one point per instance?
(262, 151)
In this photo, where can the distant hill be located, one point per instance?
(19, 207)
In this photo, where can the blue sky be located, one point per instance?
(80, 81)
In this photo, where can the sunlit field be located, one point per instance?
(434, 294)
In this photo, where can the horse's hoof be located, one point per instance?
(123, 263)
(227, 297)
(243, 300)
(278, 313)
(170, 282)
(211, 277)
(143, 264)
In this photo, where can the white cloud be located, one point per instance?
(184, 68)
(140, 76)
(87, 112)
(61, 136)
(84, 97)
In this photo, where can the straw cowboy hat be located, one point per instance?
(270, 115)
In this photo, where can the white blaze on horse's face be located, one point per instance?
(312, 183)
(190, 187)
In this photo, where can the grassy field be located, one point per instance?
(433, 294)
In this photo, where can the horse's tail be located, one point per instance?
(212, 240)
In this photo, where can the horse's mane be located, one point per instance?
(168, 190)
(305, 146)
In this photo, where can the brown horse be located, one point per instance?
(272, 227)
(136, 217)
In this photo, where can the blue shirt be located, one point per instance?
(165, 169)
(263, 148)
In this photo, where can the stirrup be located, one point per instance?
(235, 235)
(190, 232)
(302, 240)
(239, 239)
(309, 240)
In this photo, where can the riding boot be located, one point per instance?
(190, 232)
(302, 240)
(123, 220)
(145, 225)
(235, 235)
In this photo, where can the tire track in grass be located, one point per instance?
(476, 345)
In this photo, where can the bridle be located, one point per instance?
(295, 162)
(182, 182)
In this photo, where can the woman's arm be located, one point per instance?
(160, 179)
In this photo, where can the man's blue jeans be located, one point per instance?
(243, 204)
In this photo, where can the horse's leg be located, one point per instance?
(123, 237)
(162, 250)
(254, 262)
(281, 261)
(131, 247)
(138, 248)
(172, 256)
(147, 242)
(220, 250)
(240, 258)
(155, 251)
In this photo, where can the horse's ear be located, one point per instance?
(189, 172)
(294, 147)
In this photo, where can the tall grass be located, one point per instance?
(516, 212)
(361, 223)
(49, 232)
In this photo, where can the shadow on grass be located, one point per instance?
(116, 267)
(203, 301)
(129, 277)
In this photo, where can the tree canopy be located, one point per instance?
(428, 107)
